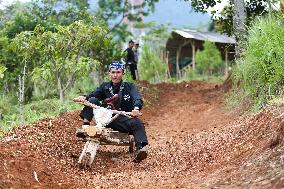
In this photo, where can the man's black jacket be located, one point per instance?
(130, 56)
(129, 95)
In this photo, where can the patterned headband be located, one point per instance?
(116, 65)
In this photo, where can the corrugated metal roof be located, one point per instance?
(203, 36)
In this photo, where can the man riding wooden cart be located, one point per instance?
(122, 104)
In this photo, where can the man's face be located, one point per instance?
(131, 45)
(116, 75)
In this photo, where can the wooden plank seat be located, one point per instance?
(102, 136)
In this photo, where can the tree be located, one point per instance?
(106, 52)
(63, 53)
(209, 61)
(157, 36)
(19, 17)
(115, 12)
(9, 12)
(12, 63)
(151, 66)
(235, 16)
(50, 13)
(239, 21)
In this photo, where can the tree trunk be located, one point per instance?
(239, 20)
(60, 90)
(282, 5)
(269, 10)
(178, 74)
(21, 94)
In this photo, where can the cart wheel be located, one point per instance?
(131, 144)
(83, 159)
(84, 163)
(88, 154)
(92, 154)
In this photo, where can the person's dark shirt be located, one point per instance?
(130, 56)
(130, 96)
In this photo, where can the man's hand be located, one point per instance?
(135, 113)
(80, 99)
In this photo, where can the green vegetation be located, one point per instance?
(34, 111)
(259, 76)
(191, 75)
(62, 55)
(151, 67)
(47, 50)
(113, 13)
(51, 51)
(2, 70)
(209, 61)
(209, 65)
(223, 21)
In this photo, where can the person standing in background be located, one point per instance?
(130, 59)
(136, 58)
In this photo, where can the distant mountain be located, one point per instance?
(178, 14)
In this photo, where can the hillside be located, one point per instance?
(195, 142)
(178, 14)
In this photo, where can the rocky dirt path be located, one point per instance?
(195, 142)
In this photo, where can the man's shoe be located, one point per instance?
(140, 154)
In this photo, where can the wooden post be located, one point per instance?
(178, 56)
(177, 63)
(226, 62)
(193, 54)
(167, 62)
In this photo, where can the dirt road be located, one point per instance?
(195, 142)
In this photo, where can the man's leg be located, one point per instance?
(87, 112)
(136, 72)
(132, 71)
(87, 116)
(135, 127)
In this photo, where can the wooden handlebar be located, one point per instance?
(89, 104)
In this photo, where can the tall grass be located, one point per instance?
(33, 112)
(259, 76)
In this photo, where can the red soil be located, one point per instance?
(195, 142)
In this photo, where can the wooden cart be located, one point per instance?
(100, 135)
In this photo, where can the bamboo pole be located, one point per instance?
(193, 54)
(177, 63)
(226, 62)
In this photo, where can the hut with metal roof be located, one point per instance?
(182, 46)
